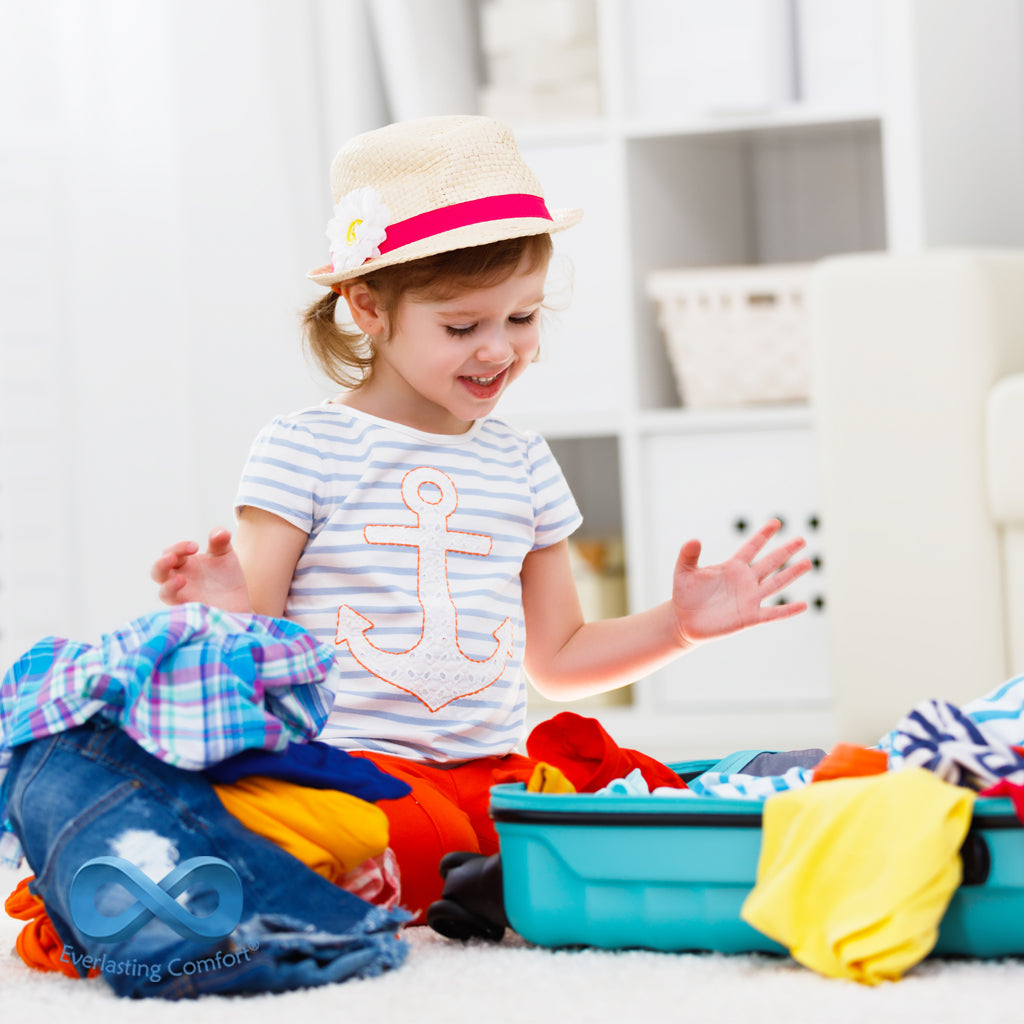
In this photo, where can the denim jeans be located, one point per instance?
(92, 791)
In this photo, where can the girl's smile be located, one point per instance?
(486, 388)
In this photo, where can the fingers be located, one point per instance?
(689, 556)
(171, 591)
(776, 558)
(167, 571)
(219, 542)
(782, 611)
(751, 547)
(172, 559)
(772, 571)
(777, 581)
(782, 579)
(768, 569)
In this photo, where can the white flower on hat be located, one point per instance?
(357, 228)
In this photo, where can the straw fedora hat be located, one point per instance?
(419, 188)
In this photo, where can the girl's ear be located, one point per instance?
(366, 314)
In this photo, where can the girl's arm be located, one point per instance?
(253, 576)
(268, 549)
(568, 658)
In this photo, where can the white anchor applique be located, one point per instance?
(435, 669)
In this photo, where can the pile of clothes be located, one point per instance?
(187, 737)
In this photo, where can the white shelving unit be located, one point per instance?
(932, 157)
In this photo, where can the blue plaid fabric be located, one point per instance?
(192, 685)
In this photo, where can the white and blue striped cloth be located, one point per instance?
(1001, 712)
(960, 746)
(751, 787)
(412, 569)
(729, 785)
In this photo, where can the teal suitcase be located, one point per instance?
(660, 873)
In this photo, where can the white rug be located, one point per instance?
(445, 982)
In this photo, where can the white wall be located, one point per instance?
(164, 184)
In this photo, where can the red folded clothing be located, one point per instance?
(589, 758)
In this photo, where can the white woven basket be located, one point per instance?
(736, 335)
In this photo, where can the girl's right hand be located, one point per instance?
(213, 577)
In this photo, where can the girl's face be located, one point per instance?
(448, 361)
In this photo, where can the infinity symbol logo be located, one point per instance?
(155, 899)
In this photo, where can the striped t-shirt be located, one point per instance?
(411, 570)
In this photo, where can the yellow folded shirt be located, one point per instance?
(329, 831)
(855, 874)
(546, 778)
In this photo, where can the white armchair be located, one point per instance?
(919, 411)
(1005, 453)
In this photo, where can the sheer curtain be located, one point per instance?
(164, 190)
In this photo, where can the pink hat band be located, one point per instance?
(461, 215)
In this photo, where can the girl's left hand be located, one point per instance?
(715, 600)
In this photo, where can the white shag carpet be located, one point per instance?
(445, 982)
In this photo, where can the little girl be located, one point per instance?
(406, 524)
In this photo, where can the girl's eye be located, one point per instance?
(462, 332)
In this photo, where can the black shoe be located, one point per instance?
(451, 861)
(472, 904)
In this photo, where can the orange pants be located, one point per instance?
(447, 810)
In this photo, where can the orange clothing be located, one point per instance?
(446, 811)
(38, 944)
(845, 760)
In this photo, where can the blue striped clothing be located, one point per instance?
(411, 570)
(758, 787)
(1000, 712)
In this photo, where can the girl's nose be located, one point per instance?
(495, 346)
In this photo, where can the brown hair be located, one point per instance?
(346, 355)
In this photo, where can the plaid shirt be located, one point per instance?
(192, 685)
